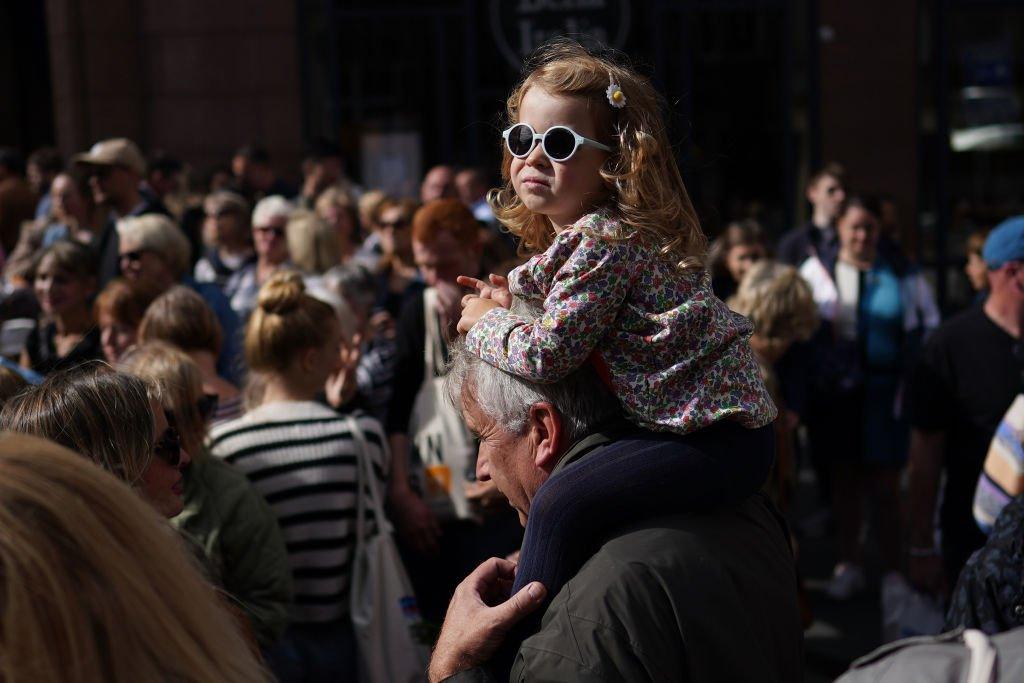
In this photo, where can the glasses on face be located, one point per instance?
(206, 405)
(133, 256)
(270, 230)
(558, 142)
(168, 448)
(397, 224)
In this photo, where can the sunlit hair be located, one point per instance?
(286, 320)
(159, 234)
(104, 415)
(975, 241)
(445, 215)
(407, 205)
(11, 384)
(271, 209)
(182, 317)
(339, 197)
(94, 586)
(778, 302)
(312, 243)
(868, 203)
(125, 301)
(646, 190)
(227, 202)
(747, 233)
(830, 170)
(583, 401)
(354, 283)
(181, 385)
(367, 205)
(74, 258)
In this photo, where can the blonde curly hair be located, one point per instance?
(647, 193)
(778, 302)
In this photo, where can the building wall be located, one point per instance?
(868, 97)
(195, 78)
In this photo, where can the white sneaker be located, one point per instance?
(847, 580)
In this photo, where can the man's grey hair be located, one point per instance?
(582, 400)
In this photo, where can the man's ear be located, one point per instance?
(547, 433)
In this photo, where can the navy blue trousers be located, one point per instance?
(642, 475)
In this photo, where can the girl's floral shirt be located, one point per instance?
(677, 358)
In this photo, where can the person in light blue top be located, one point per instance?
(876, 310)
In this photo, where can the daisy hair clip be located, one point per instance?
(616, 97)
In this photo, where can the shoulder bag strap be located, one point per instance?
(983, 656)
(369, 491)
(433, 353)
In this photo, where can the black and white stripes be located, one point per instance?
(302, 457)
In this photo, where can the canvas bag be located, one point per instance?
(959, 656)
(443, 446)
(385, 616)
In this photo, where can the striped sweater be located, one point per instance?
(302, 457)
(1002, 478)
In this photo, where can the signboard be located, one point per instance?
(392, 162)
(520, 26)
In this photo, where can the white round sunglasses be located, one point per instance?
(558, 142)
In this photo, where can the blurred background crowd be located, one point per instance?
(256, 214)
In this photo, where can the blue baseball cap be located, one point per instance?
(1005, 243)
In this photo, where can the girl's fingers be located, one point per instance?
(467, 281)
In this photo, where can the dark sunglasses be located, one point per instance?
(398, 224)
(168, 448)
(558, 142)
(133, 256)
(276, 232)
(207, 404)
(101, 171)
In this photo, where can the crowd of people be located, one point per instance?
(572, 403)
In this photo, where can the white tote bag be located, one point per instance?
(445, 452)
(385, 615)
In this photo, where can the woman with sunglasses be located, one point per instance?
(223, 513)
(115, 420)
(591, 182)
(154, 252)
(269, 237)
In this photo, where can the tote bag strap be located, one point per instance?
(433, 350)
(369, 491)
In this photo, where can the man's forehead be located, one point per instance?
(467, 404)
(472, 414)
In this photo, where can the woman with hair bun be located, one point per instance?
(95, 587)
(304, 457)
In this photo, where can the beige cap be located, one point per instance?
(113, 152)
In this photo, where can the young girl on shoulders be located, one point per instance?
(592, 184)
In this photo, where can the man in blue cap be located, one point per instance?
(970, 371)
